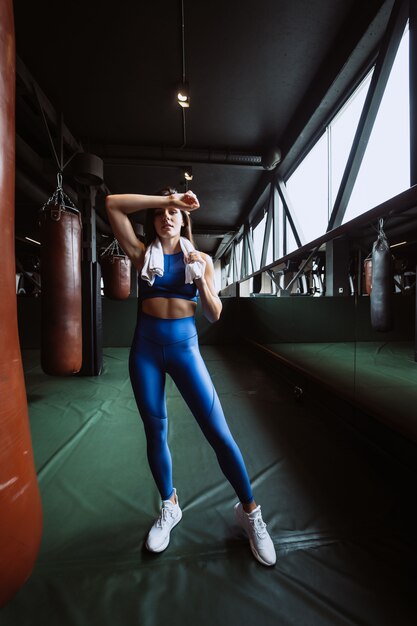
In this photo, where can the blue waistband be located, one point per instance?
(165, 331)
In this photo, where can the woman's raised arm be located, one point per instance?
(119, 206)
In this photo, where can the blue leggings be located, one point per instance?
(171, 346)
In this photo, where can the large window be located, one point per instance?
(385, 169)
(258, 241)
(314, 185)
(308, 191)
(341, 132)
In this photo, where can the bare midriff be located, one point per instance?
(169, 308)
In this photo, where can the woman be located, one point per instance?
(165, 341)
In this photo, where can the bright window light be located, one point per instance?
(385, 169)
(308, 192)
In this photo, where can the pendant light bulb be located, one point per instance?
(183, 95)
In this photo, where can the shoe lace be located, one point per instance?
(259, 526)
(165, 513)
(163, 517)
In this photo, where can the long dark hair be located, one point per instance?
(150, 232)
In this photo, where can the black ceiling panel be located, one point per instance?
(261, 75)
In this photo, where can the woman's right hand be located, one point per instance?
(187, 201)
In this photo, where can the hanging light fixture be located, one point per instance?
(183, 93)
(186, 176)
(188, 172)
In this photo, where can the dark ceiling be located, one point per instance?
(262, 75)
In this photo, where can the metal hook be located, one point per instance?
(59, 180)
(381, 226)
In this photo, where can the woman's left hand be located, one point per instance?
(210, 301)
(195, 256)
(187, 201)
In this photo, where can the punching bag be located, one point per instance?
(61, 328)
(20, 507)
(367, 268)
(115, 269)
(382, 288)
(116, 276)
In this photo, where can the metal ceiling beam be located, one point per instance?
(227, 242)
(29, 122)
(251, 251)
(275, 222)
(40, 169)
(289, 211)
(30, 190)
(37, 96)
(252, 204)
(385, 61)
(252, 209)
(27, 155)
(267, 231)
(120, 155)
(51, 115)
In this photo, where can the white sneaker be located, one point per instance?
(170, 516)
(259, 539)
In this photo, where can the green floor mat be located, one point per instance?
(339, 514)
(380, 377)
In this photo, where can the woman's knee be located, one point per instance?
(222, 441)
(156, 429)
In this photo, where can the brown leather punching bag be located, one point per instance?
(115, 270)
(367, 268)
(61, 330)
(20, 507)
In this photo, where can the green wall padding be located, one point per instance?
(119, 319)
(302, 319)
(265, 320)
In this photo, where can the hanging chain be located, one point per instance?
(60, 198)
(113, 249)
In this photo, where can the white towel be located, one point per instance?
(154, 262)
(196, 268)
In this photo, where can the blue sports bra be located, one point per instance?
(171, 284)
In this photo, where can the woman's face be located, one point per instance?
(168, 222)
